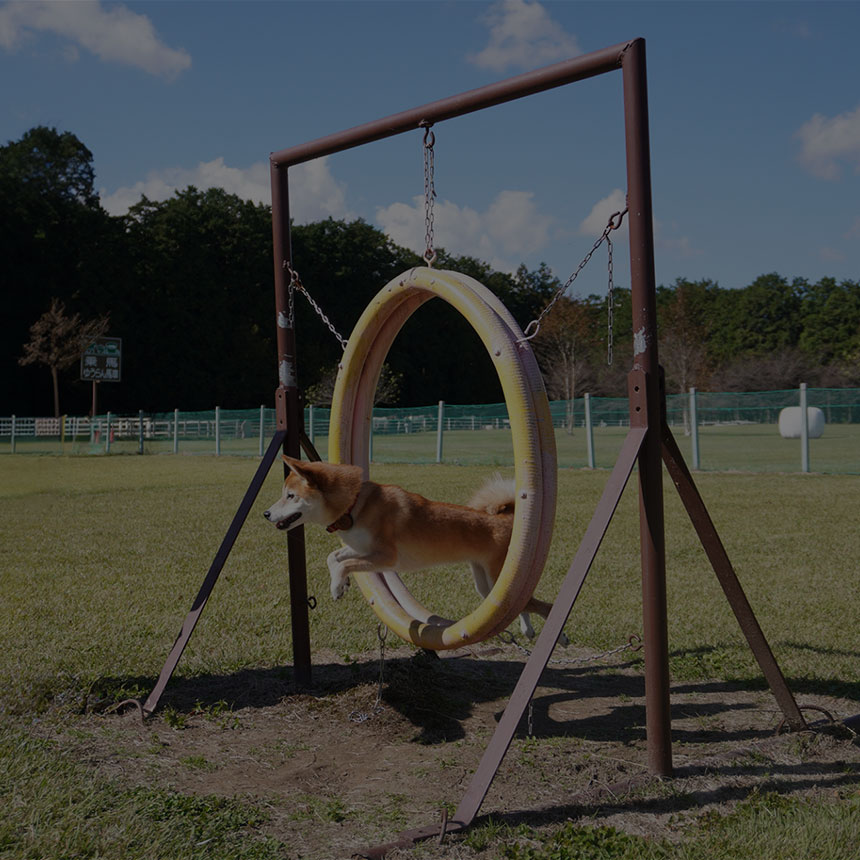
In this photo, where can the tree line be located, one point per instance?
(187, 284)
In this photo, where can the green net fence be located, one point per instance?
(732, 431)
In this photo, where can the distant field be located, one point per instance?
(725, 447)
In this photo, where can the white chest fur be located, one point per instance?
(359, 539)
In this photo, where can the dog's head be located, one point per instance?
(314, 493)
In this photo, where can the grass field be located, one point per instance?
(103, 556)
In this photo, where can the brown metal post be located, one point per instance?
(290, 419)
(643, 289)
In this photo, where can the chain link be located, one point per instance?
(363, 716)
(610, 305)
(633, 643)
(429, 192)
(613, 224)
(296, 284)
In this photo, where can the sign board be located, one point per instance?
(102, 360)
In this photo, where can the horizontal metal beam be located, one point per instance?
(540, 80)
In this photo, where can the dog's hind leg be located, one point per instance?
(483, 580)
(542, 608)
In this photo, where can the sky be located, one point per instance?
(754, 118)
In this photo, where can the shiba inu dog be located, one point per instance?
(384, 527)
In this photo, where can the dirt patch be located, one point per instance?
(339, 769)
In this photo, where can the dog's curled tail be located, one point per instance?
(496, 496)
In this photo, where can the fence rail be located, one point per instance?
(716, 431)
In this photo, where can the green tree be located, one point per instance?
(763, 318)
(194, 316)
(55, 241)
(831, 320)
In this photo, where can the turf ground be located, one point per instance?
(102, 557)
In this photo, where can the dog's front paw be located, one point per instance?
(339, 587)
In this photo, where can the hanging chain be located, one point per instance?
(363, 716)
(613, 224)
(610, 304)
(633, 643)
(296, 284)
(429, 192)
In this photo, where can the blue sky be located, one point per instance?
(755, 119)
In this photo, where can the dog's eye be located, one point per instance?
(291, 495)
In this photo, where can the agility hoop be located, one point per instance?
(533, 444)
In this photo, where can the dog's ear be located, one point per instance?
(298, 468)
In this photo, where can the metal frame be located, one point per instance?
(649, 442)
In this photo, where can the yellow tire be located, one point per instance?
(533, 443)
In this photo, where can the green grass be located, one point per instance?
(102, 558)
(765, 826)
(54, 807)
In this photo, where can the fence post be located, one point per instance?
(140, 431)
(694, 428)
(311, 428)
(107, 435)
(175, 431)
(262, 430)
(217, 431)
(439, 420)
(589, 431)
(12, 439)
(804, 430)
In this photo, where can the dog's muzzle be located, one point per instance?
(284, 523)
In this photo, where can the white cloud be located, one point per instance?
(831, 255)
(114, 34)
(510, 228)
(680, 246)
(524, 36)
(596, 221)
(825, 142)
(314, 192)
(616, 201)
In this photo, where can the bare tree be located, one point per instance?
(58, 341)
(563, 347)
(387, 389)
(683, 339)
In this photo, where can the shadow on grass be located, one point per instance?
(438, 695)
(633, 796)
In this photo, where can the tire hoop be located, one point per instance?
(533, 444)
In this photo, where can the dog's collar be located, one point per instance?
(342, 523)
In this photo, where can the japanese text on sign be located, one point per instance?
(102, 360)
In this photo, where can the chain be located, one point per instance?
(633, 643)
(296, 284)
(429, 193)
(363, 716)
(610, 304)
(613, 224)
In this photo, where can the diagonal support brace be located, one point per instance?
(215, 569)
(728, 579)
